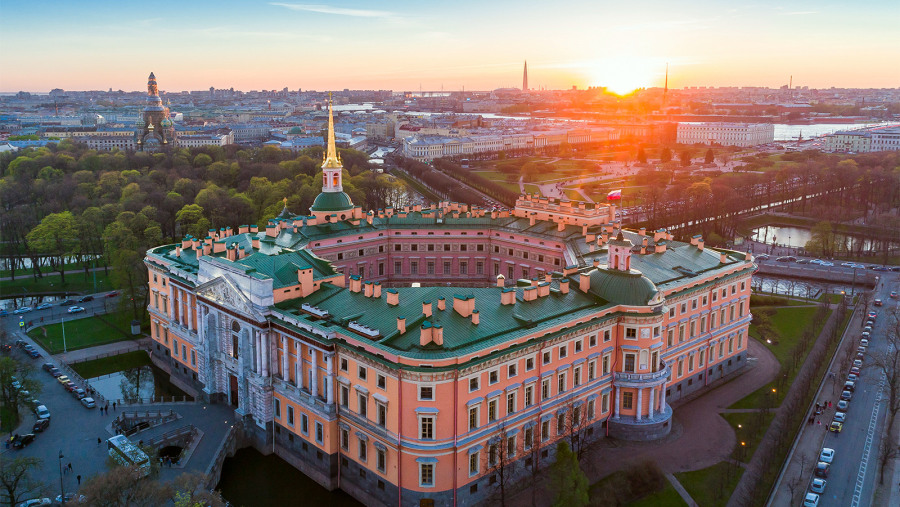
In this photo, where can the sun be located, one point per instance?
(622, 75)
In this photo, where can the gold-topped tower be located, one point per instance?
(333, 202)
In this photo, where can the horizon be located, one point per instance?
(401, 45)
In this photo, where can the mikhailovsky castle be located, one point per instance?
(402, 355)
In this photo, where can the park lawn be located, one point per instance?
(7, 421)
(80, 334)
(666, 497)
(743, 419)
(702, 484)
(788, 323)
(112, 364)
(75, 283)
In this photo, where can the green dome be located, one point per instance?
(625, 288)
(332, 201)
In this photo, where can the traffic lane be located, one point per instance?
(99, 304)
(849, 445)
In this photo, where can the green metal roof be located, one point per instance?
(332, 201)
(630, 288)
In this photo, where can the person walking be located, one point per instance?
(98, 441)
(78, 478)
(114, 406)
(70, 467)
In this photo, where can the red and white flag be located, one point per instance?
(615, 194)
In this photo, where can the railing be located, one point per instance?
(170, 436)
(156, 400)
(113, 353)
(214, 471)
(643, 377)
(77, 379)
(130, 423)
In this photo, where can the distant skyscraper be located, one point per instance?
(525, 78)
(155, 130)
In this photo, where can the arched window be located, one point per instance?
(643, 359)
(615, 261)
(335, 179)
(235, 339)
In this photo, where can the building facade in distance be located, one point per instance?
(405, 355)
(726, 134)
(155, 130)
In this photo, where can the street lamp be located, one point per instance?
(62, 320)
(62, 492)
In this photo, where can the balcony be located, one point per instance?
(652, 377)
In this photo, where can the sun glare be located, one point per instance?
(623, 75)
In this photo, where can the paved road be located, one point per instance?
(99, 305)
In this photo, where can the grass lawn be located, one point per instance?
(788, 324)
(52, 283)
(752, 441)
(6, 418)
(666, 497)
(112, 364)
(703, 484)
(82, 333)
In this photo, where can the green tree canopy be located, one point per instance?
(567, 478)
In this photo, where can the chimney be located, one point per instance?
(186, 243)
(659, 235)
(475, 317)
(376, 290)
(218, 247)
(529, 294)
(571, 269)
(535, 281)
(646, 241)
(564, 285)
(243, 229)
(560, 226)
(401, 324)
(508, 296)
(231, 253)
(256, 243)
(747, 256)
(531, 219)
(242, 252)
(723, 257)
(355, 283)
(596, 262)
(700, 244)
(254, 229)
(584, 283)
(695, 239)
(393, 297)
(437, 335)
(501, 281)
(367, 289)
(199, 252)
(548, 277)
(442, 303)
(425, 333)
(369, 217)
(642, 231)
(426, 308)
(177, 251)
(661, 247)
(464, 305)
(543, 289)
(272, 231)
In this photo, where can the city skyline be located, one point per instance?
(402, 45)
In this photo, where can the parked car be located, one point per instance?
(40, 425)
(55, 372)
(822, 469)
(762, 257)
(34, 502)
(75, 309)
(42, 412)
(44, 306)
(827, 455)
(71, 498)
(836, 427)
(24, 309)
(867, 329)
(802, 261)
(894, 295)
(23, 441)
(34, 354)
(818, 485)
(66, 302)
(864, 343)
(786, 258)
(62, 379)
(113, 294)
(855, 371)
(88, 402)
(85, 299)
(47, 366)
(70, 387)
(866, 335)
(853, 377)
(811, 500)
(3, 312)
(846, 395)
(857, 363)
(872, 315)
(843, 405)
(840, 416)
(78, 393)
(878, 302)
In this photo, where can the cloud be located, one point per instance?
(799, 13)
(339, 11)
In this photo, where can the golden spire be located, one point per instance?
(332, 159)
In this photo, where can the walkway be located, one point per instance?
(109, 349)
(24, 273)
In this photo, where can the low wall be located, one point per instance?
(832, 274)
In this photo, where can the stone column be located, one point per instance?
(284, 359)
(329, 378)
(618, 402)
(170, 304)
(639, 400)
(264, 339)
(662, 399)
(652, 401)
(257, 356)
(314, 370)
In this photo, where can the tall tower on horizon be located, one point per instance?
(155, 130)
(333, 202)
(525, 78)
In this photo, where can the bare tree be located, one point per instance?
(501, 456)
(16, 480)
(888, 362)
(118, 488)
(794, 485)
(532, 460)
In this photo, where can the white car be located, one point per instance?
(35, 501)
(826, 264)
(818, 485)
(811, 500)
(864, 343)
(24, 309)
(840, 416)
(88, 402)
(827, 455)
(75, 309)
(44, 306)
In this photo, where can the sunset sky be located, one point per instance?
(479, 45)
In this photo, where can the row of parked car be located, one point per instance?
(824, 263)
(68, 385)
(826, 457)
(17, 441)
(29, 349)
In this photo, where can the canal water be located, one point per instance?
(800, 288)
(250, 479)
(797, 237)
(146, 382)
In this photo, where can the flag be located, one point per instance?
(615, 194)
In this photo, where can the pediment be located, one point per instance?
(224, 292)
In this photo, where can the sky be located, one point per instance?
(406, 45)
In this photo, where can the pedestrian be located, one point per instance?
(107, 406)
(98, 441)
(114, 406)
(78, 478)
(70, 467)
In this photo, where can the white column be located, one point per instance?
(257, 353)
(618, 394)
(662, 399)
(652, 399)
(329, 378)
(284, 360)
(170, 304)
(264, 339)
(314, 369)
(639, 400)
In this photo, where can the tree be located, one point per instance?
(56, 235)
(501, 455)
(888, 362)
(12, 397)
(685, 158)
(710, 156)
(641, 156)
(567, 478)
(190, 492)
(665, 155)
(16, 478)
(118, 488)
